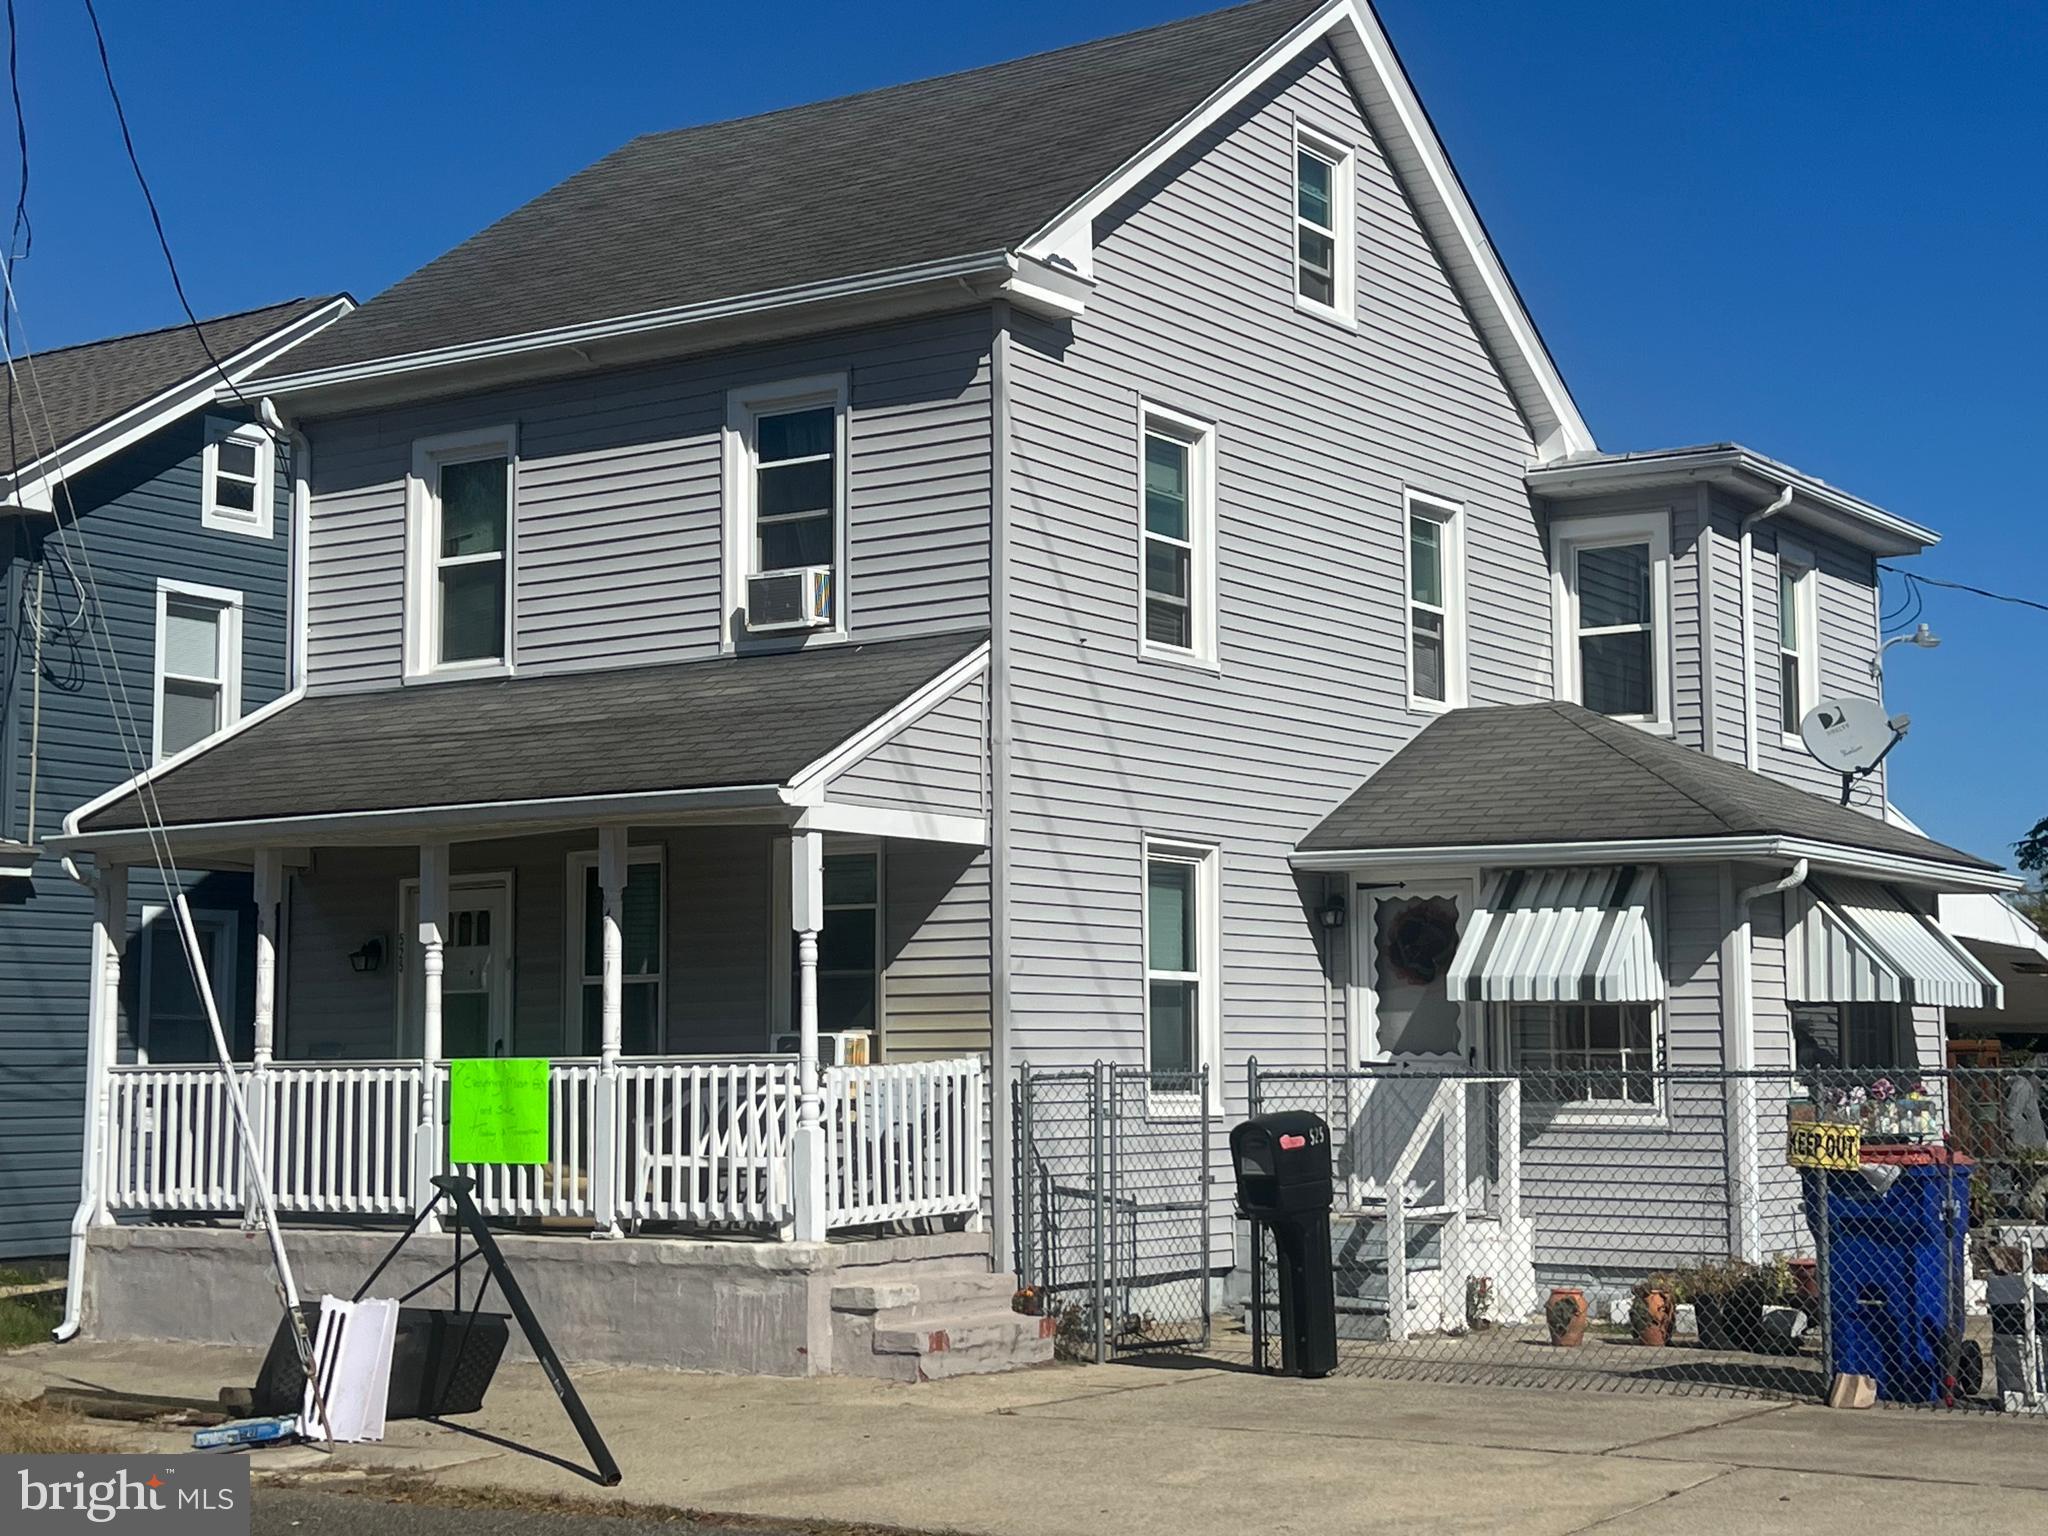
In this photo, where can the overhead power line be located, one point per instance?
(1915, 579)
(163, 240)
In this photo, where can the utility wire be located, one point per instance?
(163, 240)
(1915, 579)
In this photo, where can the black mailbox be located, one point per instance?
(1284, 1186)
(1283, 1163)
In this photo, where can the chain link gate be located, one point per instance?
(1112, 1199)
(1728, 1233)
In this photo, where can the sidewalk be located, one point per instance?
(1159, 1451)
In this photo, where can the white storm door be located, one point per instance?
(476, 968)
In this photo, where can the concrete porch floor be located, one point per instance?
(1179, 1452)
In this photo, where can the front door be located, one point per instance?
(1407, 1021)
(476, 968)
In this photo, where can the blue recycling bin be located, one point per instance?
(1894, 1269)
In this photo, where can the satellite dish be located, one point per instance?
(1850, 735)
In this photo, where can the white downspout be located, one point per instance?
(1749, 627)
(1740, 1035)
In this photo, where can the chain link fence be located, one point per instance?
(1757, 1234)
(1113, 1225)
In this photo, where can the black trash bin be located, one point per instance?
(1284, 1186)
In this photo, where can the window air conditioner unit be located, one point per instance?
(800, 598)
(840, 1048)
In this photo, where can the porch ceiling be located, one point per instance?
(1531, 777)
(727, 732)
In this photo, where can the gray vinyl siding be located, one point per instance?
(935, 984)
(720, 927)
(618, 531)
(1318, 429)
(138, 521)
(938, 764)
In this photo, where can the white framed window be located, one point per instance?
(1183, 948)
(1798, 636)
(1176, 536)
(1325, 260)
(1613, 593)
(1595, 1055)
(237, 478)
(171, 1023)
(851, 958)
(1436, 602)
(785, 489)
(644, 932)
(461, 534)
(198, 687)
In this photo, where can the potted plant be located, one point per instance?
(1565, 1316)
(1727, 1303)
(1651, 1307)
(1478, 1302)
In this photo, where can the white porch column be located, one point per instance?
(428, 1145)
(268, 888)
(103, 1038)
(611, 885)
(807, 1150)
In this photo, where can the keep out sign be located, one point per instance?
(198, 1495)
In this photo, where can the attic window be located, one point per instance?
(235, 478)
(1323, 257)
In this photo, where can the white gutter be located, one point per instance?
(1795, 876)
(997, 265)
(1756, 848)
(1749, 625)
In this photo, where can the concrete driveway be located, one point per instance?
(1160, 1451)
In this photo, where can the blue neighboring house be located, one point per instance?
(146, 563)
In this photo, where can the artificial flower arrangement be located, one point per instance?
(1888, 1111)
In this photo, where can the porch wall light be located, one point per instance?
(1331, 913)
(368, 958)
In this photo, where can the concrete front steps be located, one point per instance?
(930, 1318)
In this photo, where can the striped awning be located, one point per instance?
(1584, 935)
(1855, 941)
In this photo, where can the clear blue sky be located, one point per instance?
(1814, 227)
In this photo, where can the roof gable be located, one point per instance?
(992, 166)
(955, 166)
(73, 395)
(1558, 773)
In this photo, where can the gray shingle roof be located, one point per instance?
(1557, 773)
(689, 725)
(957, 166)
(75, 389)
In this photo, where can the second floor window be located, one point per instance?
(786, 506)
(198, 664)
(1798, 637)
(1613, 575)
(1177, 537)
(459, 600)
(1436, 602)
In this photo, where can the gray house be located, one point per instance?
(1086, 558)
(144, 565)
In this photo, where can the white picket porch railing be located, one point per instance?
(705, 1141)
(902, 1141)
(684, 1139)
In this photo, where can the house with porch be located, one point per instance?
(1087, 558)
(145, 604)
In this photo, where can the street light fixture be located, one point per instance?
(1923, 636)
